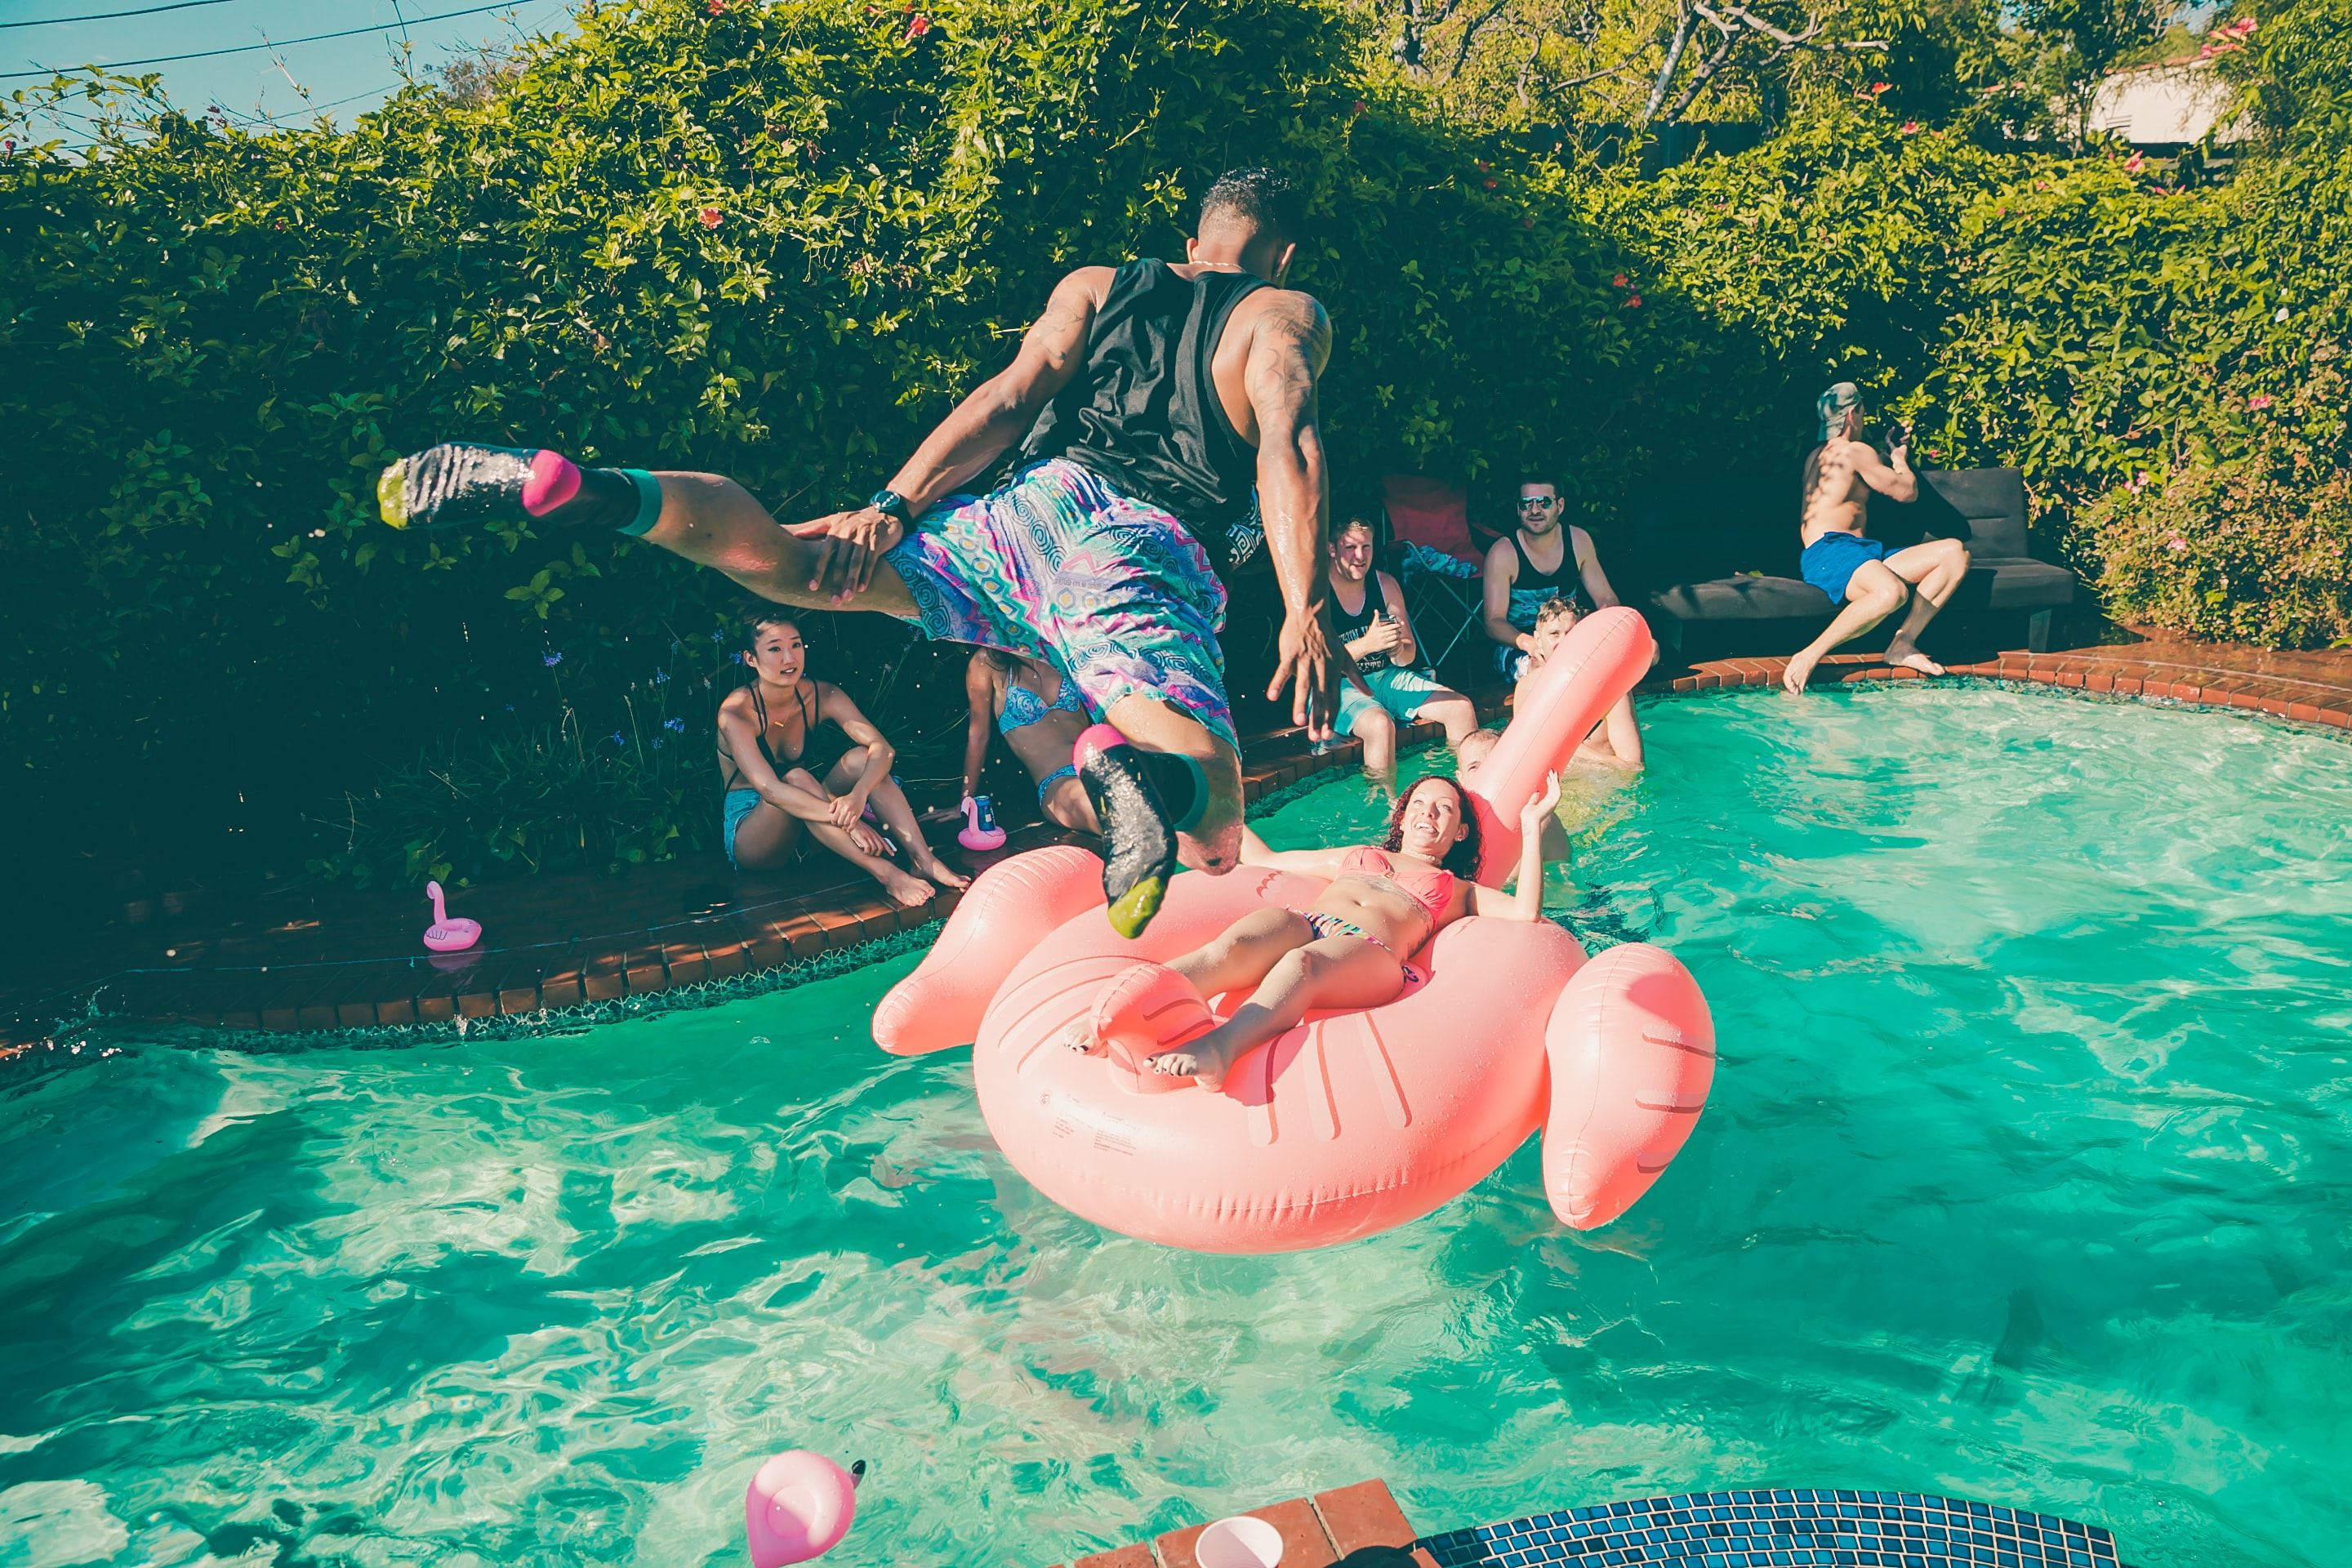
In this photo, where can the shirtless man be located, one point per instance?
(1541, 560)
(1101, 555)
(1857, 572)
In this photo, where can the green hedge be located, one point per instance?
(776, 241)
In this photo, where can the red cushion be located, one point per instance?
(1431, 512)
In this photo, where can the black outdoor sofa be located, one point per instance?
(1712, 561)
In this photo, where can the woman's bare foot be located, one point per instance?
(1799, 670)
(1202, 1061)
(931, 866)
(911, 891)
(1913, 659)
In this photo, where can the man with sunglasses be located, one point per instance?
(1539, 561)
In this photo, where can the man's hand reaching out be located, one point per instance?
(849, 545)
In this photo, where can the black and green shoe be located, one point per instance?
(1138, 829)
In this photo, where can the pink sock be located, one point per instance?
(554, 479)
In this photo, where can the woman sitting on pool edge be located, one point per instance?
(1347, 950)
(1041, 730)
(779, 783)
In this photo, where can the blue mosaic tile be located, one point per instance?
(1783, 1528)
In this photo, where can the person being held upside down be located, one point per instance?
(1865, 582)
(1346, 950)
(1166, 420)
(780, 784)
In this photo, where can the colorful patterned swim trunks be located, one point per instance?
(1056, 564)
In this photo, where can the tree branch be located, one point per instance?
(1700, 77)
(1666, 71)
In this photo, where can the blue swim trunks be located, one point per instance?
(1055, 564)
(1831, 561)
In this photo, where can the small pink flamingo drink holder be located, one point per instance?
(799, 1506)
(1354, 1121)
(445, 935)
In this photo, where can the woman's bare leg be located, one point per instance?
(889, 803)
(1246, 952)
(1335, 971)
(767, 837)
(911, 891)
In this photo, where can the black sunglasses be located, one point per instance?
(1537, 502)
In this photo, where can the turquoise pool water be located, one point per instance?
(2025, 1179)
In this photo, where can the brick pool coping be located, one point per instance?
(794, 921)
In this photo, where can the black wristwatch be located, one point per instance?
(890, 503)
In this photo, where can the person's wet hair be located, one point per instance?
(1463, 859)
(1259, 197)
(1557, 608)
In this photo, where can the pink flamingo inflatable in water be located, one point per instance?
(445, 935)
(799, 1506)
(1358, 1119)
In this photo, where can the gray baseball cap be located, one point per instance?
(1835, 405)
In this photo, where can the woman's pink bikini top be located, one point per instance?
(1429, 887)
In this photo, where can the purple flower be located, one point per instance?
(551, 659)
(678, 724)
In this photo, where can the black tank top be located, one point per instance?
(1349, 627)
(1144, 414)
(1530, 588)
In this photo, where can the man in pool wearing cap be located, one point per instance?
(1167, 417)
(1855, 571)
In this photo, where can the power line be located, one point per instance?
(281, 44)
(111, 16)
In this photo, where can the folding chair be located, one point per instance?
(1441, 565)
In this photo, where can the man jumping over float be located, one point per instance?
(1152, 398)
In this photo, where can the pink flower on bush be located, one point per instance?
(1910, 128)
(1634, 302)
(1619, 280)
(2258, 401)
(2176, 543)
(708, 217)
(918, 28)
(716, 7)
(2135, 164)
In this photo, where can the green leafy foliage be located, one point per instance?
(776, 241)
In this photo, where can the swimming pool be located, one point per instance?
(2024, 1179)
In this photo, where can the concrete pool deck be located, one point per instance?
(311, 959)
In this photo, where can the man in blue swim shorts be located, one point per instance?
(1165, 416)
(1855, 571)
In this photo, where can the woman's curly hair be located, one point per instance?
(1463, 859)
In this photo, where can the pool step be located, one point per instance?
(1317, 1532)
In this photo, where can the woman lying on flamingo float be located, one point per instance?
(1347, 949)
(1373, 1030)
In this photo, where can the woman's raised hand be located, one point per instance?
(1541, 807)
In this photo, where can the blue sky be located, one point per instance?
(344, 77)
